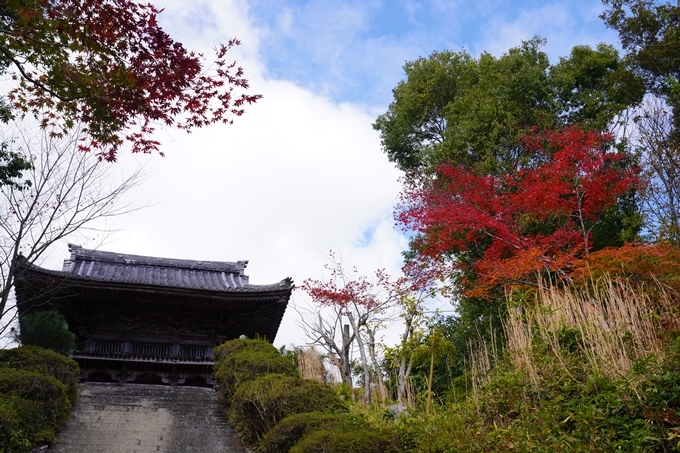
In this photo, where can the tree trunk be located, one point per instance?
(376, 366)
(356, 325)
(346, 370)
(404, 369)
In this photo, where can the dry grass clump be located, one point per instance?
(310, 364)
(616, 324)
(483, 356)
(519, 331)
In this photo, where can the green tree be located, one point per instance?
(650, 33)
(453, 108)
(47, 329)
(593, 86)
(458, 109)
(12, 166)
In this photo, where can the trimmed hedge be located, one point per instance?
(32, 404)
(45, 362)
(231, 347)
(258, 405)
(291, 429)
(260, 387)
(346, 439)
(37, 390)
(243, 361)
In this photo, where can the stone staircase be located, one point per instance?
(137, 418)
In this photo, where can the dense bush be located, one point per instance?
(37, 390)
(231, 347)
(244, 360)
(258, 405)
(291, 429)
(346, 439)
(31, 404)
(570, 408)
(587, 371)
(20, 424)
(588, 413)
(46, 362)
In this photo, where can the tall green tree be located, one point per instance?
(650, 33)
(473, 113)
(468, 111)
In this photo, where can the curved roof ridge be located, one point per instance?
(112, 267)
(79, 253)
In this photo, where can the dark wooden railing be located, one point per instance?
(144, 351)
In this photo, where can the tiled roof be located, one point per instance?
(114, 267)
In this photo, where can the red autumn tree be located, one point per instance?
(502, 229)
(359, 300)
(108, 65)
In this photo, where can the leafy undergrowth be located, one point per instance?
(564, 412)
(587, 369)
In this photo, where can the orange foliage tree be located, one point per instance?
(504, 229)
(644, 264)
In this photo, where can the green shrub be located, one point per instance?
(14, 442)
(291, 429)
(246, 365)
(12, 432)
(569, 410)
(45, 362)
(24, 424)
(32, 404)
(47, 329)
(260, 404)
(231, 347)
(346, 439)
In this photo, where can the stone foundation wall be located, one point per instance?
(138, 418)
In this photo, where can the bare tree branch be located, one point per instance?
(660, 162)
(69, 191)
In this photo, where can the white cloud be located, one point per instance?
(412, 7)
(296, 176)
(285, 22)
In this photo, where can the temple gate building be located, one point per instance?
(151, 320)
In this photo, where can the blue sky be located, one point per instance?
(353, 51)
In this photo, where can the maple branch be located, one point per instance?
(26, 76)
(69, 191)
(482, 230)
(37, 41)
